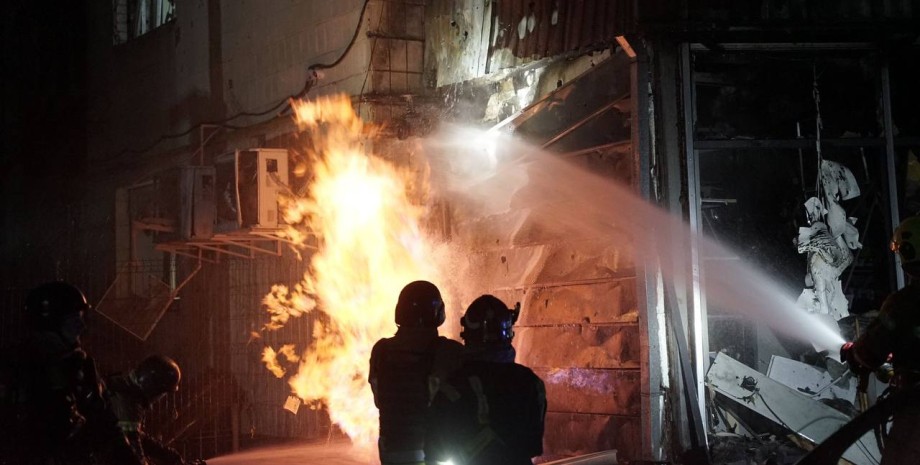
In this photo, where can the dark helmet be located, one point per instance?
(157, 375)
(488, 320)
(420, 305)
(48, 305)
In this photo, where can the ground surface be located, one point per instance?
(336, 452)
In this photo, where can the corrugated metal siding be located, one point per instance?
(578, 24)
(466, 39)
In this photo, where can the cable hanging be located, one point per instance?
(279, 107)
(816, 95)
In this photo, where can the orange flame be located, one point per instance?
(370, 245)
(270, 357)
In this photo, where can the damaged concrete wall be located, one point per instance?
(395, 94)
(398, 36)
(215, 60)
(267, 48)
(459, 33)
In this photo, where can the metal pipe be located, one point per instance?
(599, 149)
(585, 120)
(385, 35)
(891, 171)
(652, 345)
(597, 458)
(187, 279)
(698, 320)
(172, 271)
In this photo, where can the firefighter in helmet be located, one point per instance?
(895, 336)
(49, 386)
(129, 397)
(406, 369)
(492, 409)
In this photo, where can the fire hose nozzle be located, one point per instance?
(845, 352)
(846, 356)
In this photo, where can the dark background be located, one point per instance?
(43, 138)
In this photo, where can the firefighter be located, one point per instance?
(491, 410)
(49, 390)
(895, 336)
(406, 369)
(129, 397)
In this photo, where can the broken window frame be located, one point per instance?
(698, 321)
(134, 18)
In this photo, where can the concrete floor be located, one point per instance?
(336, 452)
(341, 452)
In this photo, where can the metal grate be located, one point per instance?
(227, 399)
(230, 400)
(136, 300)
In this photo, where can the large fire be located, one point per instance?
(369, 245)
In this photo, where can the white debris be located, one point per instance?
(828, 241)
(292, 404)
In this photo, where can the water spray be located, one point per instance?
(583, 205)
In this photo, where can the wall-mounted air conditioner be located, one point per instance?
(248, 184)
(185, 202)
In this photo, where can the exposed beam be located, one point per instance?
(586, 120)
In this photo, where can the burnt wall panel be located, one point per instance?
(516, 270)
(470, 39)
(608, 83)
(573, 221)
(611, 392)
(584, 346)
(573, 434)
(611, 164)
(558, 264)
(457, 33)
(396, 30)
(611, 301)
(537, 29)
(479, 233)
(578, 261)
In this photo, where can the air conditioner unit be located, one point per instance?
(248, 184)
(185, 200)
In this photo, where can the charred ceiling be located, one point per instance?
(842, 21)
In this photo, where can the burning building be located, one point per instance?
(261, 178)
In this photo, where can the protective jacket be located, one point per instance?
(131, 445)
(896, 331)
(49, 397)
(405, 371)
(488, 412)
